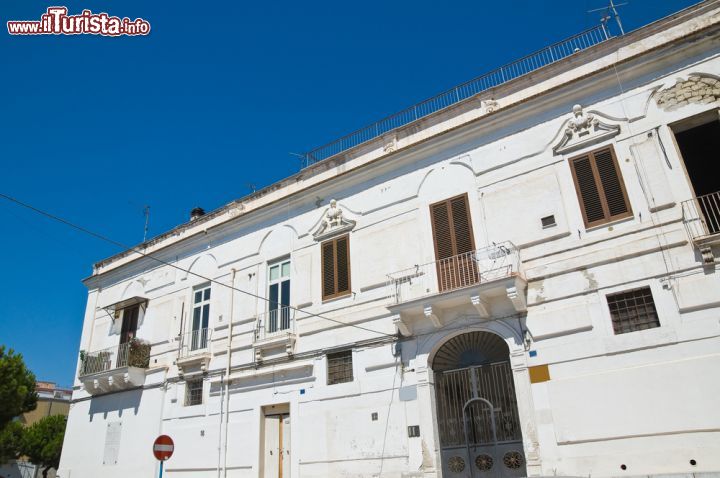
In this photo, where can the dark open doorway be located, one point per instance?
(699, 143)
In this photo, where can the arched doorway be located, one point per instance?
(477, 413)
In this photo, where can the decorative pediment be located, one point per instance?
(488, 106)
(584, 129)
(698, 88)
(390, 143)
(333, 223)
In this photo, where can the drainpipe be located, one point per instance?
(220, 435)
(227, 371)
(162, 409)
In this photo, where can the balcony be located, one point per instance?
(115, 368)
(194, 352)
(274, 333)
(701, 216)
(487, 279)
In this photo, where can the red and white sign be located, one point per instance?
(163, 447)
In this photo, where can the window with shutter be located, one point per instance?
(454, 243)
(600, 188)
(335, 267)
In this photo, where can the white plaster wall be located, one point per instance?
(83, 452)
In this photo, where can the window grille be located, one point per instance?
(633, 310)
(340, 368)
(193, 392)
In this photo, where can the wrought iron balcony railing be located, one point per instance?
(135, 353)
(477, 267)
(701, 216)
(275, 323)
(195, 342)
(505, 73)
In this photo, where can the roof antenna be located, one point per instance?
(303, 158)
(146, 212)
(611, 9)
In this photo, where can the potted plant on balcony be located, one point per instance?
(138, 353)
(83, 359)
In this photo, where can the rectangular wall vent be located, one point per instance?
(548, 221)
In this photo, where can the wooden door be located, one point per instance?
(129, 323)
(277, 446)
(128, 330)
(285, 446)
(454, 243)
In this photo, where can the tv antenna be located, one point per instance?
(611, 11)
(302, 157)
(146, 212)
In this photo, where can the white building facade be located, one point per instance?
(523, 283)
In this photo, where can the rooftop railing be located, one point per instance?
(505, 73)
(473, 268)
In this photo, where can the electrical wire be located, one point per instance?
(658, 235)
(160, 261)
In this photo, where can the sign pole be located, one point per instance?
(163, 449)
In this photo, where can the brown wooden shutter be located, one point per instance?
(599, 186)
(588, 191)
(615, 195)
(342, 252)
(442, 235)
(336, 267)
(452, 227)
(461, 225)
(453, 239)
(328, 269)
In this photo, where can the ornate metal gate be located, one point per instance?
(478, 422)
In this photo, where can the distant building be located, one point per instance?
(52, 400)
(516, 278)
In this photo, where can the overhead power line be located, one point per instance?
(160, 261)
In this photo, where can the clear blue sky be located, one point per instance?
(214, 99)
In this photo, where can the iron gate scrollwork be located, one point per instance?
(478, 421)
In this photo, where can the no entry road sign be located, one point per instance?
(163, 447)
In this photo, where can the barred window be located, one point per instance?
(340, 368)
(193, 392)
(633, 310)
